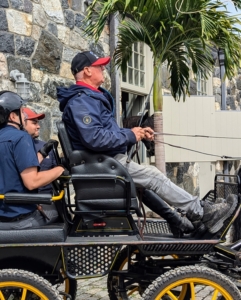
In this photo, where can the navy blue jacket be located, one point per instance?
(48, 163)
(88, 116)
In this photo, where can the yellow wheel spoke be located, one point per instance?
(24, 286)
(1, 296)
(170, 294)
(183, 292)
(215, 295)
(186, 284)
(192, 286)
(24, 294)
(133, 291)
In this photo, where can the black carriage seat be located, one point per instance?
(100, 182)
(53, 233)
(56, 232)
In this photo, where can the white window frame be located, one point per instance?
(148, 77)
(201, 82)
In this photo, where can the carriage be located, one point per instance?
(102, 231)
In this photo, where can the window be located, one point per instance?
(136, 66)
(136, 85)
(201, 85)
(139, 70)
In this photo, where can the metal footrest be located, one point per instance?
(192, 247)
(155, 226)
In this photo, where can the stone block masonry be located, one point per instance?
(39, 38)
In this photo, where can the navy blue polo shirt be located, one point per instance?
(17, 153)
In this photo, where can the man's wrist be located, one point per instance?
(62, 167)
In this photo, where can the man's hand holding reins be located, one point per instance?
(139, 132)
(149, 133)
(143, 133)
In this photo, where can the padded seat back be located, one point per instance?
(99, 180)
(106, 188)
(65, 143)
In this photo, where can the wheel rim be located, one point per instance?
(217, 291)
(22, 288)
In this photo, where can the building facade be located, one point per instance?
(39, 38)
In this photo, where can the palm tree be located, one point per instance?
(180, 32)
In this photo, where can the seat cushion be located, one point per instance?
(43, 234)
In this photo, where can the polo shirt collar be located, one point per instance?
(87, 85)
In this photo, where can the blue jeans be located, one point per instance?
(151, 178)
(34, 220)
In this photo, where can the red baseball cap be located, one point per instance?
(30, 115)
(87, 59)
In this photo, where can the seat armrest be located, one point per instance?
(26, 198)
(97, 176)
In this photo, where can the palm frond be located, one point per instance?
(179, 32)
(236, 3)
(179, 70)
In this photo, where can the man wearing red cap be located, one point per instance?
(88, 113)
(19, 171)
(32, 127)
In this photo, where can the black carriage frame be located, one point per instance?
(93, 230)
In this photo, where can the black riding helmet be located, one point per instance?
(9, 102)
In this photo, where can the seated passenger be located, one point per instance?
(19, 168)
(88, 112)
(32, 126)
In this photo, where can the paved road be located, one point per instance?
(95, 289)
(92, 289)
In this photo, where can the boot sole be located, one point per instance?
(215, 228)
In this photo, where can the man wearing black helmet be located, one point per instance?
(19, 167)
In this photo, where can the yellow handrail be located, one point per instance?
(54, 198)
(59, 197)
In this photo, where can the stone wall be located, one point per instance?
(39, 38)
(233, 90)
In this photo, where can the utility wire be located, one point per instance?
(197, 135)
(188, 149)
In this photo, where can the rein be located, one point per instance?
(203, 136)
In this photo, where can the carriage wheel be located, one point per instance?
(197, 280)
(113, 281)
(22, 285)
(120, 264)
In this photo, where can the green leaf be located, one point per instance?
(178, 32)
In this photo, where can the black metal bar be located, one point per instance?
(142, 116)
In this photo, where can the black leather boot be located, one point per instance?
(178, 224)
